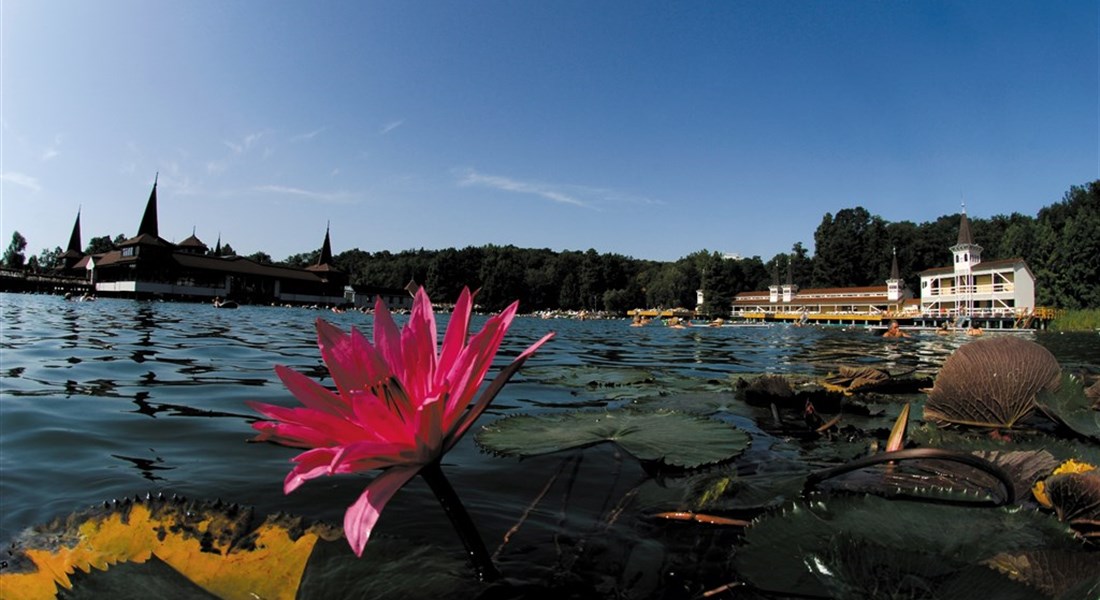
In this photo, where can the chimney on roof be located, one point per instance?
(149, 219)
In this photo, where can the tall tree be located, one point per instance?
(49, 259)
(849, 248)
(13, 256)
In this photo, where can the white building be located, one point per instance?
(787, 301)
(1000, 288)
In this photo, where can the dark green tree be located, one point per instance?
(49, 259)
(13, 256)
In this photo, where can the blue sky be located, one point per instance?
(648, 129)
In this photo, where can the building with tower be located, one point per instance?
(850, 304)
(148, 266)
(972, 288)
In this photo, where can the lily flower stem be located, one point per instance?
(475, 548)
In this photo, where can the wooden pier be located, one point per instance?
(1039, 318)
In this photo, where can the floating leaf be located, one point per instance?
(770, 486)
(1070, 406)
(696, 403)
(670, 438)
(808, 548)
(390, 568)
(217, 548)
(1075, 497)
(886, 474)
(991, 383)
(1062, 449)
(1053, 573)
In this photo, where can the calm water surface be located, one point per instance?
(114, 398)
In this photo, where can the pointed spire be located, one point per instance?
(149, 219)
(74, 238)
(218, 246)
(326, 250)
(790, 280)
(964, 229)
(775, 273)
(894, 273)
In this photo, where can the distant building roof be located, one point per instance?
(991, 265)
(192, 242)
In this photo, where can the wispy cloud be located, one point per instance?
(53, 149)
(550, 192)
(239, 147)
(328, 197)
(301, 137)
(388, 127)
(21, 180)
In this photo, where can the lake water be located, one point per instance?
(114, 398)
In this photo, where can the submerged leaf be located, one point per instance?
(670, 438)
(893, 474)
(809, 548)
(991, 383)
(1070, 406)
(850, 379)
(1053, 573)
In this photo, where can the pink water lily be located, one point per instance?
(399, 405)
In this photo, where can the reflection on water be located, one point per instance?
(115, 398)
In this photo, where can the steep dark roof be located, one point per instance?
(964, 231)
(894, 273)
(74, 250)
(149, 219)
(326, 251)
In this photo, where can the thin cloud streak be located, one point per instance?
(329, 197)
(549, 192)
(21, 180)
(308, 136)
(388, 127)
(244, 144)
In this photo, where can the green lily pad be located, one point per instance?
(666, 437)
(1070, 406)
(867, 546)
(1062, 575)
(384, 572)
(1062, 449)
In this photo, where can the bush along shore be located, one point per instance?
(1077, 320)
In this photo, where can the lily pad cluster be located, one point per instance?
(656, 437)
(943, 513)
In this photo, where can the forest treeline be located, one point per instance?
(852, 248)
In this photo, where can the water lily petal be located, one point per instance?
(305, 423)
(418, 342)
(376, 419)
(454, 340)
(311, 393)
(346, 357)
(311, 464)
(371, 455)
(361, 516)
(466, 420)
(387, 336)
(474, 362)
